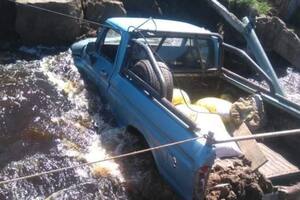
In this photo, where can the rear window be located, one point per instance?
(110, 46)
(183, 52)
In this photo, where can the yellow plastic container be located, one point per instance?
(216, 105)
(180, 97)
(191, 111)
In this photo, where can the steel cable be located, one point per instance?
(103, 160)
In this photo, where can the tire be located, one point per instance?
(144, 70)
(165, 70)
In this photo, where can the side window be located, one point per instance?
(206, 50)
(109, 48)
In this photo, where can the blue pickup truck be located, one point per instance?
(136, 63)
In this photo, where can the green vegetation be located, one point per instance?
(262, 6)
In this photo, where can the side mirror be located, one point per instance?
(90, 48)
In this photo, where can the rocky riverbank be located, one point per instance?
(23, 24)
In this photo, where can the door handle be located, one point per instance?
(103, 73)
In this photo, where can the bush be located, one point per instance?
(262, 6)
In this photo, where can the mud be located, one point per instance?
(233, 179)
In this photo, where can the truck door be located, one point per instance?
(105, 57)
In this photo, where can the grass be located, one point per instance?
(262, 6)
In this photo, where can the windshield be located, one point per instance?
(183, 52)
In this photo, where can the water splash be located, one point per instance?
(50, 118)
(291, 84)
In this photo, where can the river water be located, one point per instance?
(51, 118)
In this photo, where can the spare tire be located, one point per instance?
(144, 70)
(166, 72)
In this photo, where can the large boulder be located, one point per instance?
(36, 26)
(286, 9)
(275, 36)
(7, 19)
(100, 10)
(145, 8)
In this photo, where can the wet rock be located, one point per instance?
(42, 27)
(99, 11)
(275, 36)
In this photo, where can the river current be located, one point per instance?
(51, 118)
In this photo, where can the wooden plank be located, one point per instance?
(250, 148)
(277, 165)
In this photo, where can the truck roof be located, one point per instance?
(129, 23)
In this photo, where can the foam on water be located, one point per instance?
(50, 119)
(291, 84)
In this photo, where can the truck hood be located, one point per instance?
(77, 47)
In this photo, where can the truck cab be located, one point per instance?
(137, 62)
